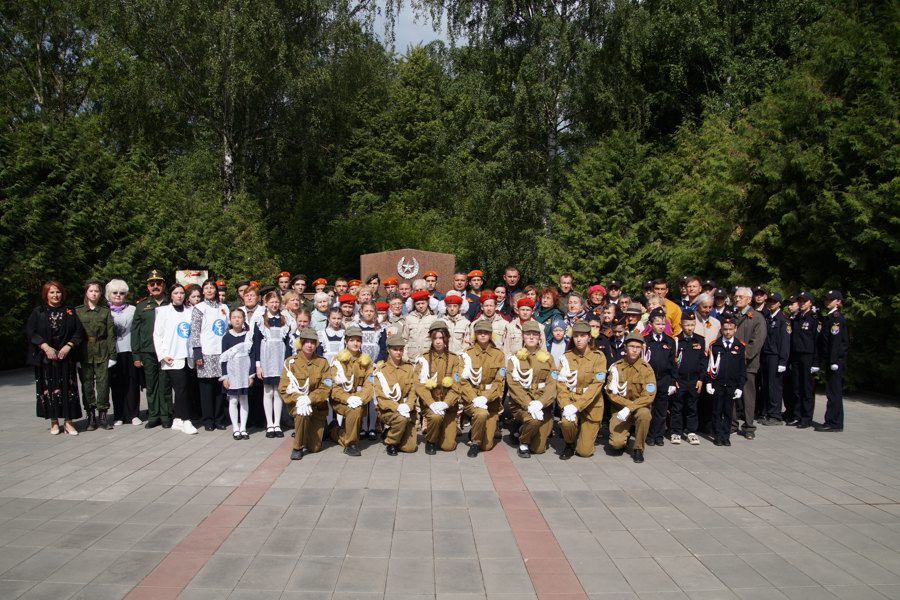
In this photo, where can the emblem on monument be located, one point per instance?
(407, 270)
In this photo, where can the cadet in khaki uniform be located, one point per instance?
(351, 391)
(437, 386)
(531, 381)
(631, 386)
(418, 322)
(156, 381)
(512, 341)
(457, 325)
(395, 398)
(482, 380)
(488, 302)
(98, 354)
(305, 386)
(579, 391)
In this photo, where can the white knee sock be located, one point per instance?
(233, 413)
(277, 405)
(268, 400)
(244, 412)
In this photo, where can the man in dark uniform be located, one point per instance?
(690, 364)
(659, 352)
(804, 361)
(774, 359)
(726, 377)
(156, 382)
(834, 342)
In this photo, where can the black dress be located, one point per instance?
(56, 386)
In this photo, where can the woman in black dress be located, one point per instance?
(53, 331)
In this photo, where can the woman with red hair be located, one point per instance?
(53, 331)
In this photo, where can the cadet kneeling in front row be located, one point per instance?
(582, 371)
(482, 387)
(438, 389)
(351, 374)
(631, 386)
(395, 398)
(305, 386)
(531, 381)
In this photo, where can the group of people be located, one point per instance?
(370, 359)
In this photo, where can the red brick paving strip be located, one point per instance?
(184, 561)
(550, 572)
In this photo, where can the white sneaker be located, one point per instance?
(177, 424)
(117, 424)
(693, 440)
(189, 428)
(136, 421)
(675, 438)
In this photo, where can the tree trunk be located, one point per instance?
(228, 182)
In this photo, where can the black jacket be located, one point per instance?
(834, 341)
(662, 359)
(732, 370)
(37, 330)
(804, 334)
(690, 359)
(778, 340)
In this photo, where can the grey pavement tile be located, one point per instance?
(450, 518)
(645, 575)
(659, 543)
(689, 573)
(505, 576)
(496, 544)
(376, 518)
(50, 590)
(821, 570)
(488, 519)
(41, 564)
(291, 595)
(10, 556)
(454, 544)
(599, 575)
(131, 567)
(15, 588)
(257, 594)
(245, 541)
(288, 541)
(315, 574)
(734, 572)
(413, 578)
(328, 542)
(699, 542)
(778, 571)
(363, 575)
(412, 544)
(85, 566)
(163, 538)
(221, 571)
(265, 517)
(622, 544)
(458, 576)
(864, 569)
(268, 572)
(102, 592)
(366, 542)
(854, 592)
(203, 593)
(305, 516)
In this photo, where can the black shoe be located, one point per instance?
(638, 456)
(750, 435)
(91, 421)
(279, 433)
(244, 435)
(430, 448)
(660, 441)
(726, 442)
(717, 442)
(296, 454)
(153, 423)
(270, 433)
(568, 452)
(103, 422)
(352, 450)
(615, 451)
(391, 450)
(373, 435)
(804, 425)
(830, 429)
(526, 453)
(221, 426)
(771, 421)
(167, 424)
(473, 451)
(236, 436)
(791, 422)
(209, 428)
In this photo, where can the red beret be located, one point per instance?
(346, 298)
(475, 273)
(429, 274)
(382, 306)
(420, 295)
(452, 299)
(488, 295)
(390, 281)
(320, 281)
(525, 302)
(284, 274)
(353, 282)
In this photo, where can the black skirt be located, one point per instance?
(56, 389)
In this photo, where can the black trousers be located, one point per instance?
(181, 380)
(659, 410)
(723, 408)
(789, 397)
(804, 387)
(683, 408)
(124, 385)
(772, 385)
(745, 406)
(834, 391)
(212, 405)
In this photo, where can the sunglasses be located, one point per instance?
(117, 293)
(154, 284)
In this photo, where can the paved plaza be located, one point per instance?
(159, 514)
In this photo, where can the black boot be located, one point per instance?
(391, 450)
(102, 421)
(473, 451)
(297, 454)
(568, 452)
(92, 421)
(430, 448)
(352, 450)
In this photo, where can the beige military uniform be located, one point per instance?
(392, 386)
(639, 395)
(580, 383)
(417, 341)
(532, 381)
(460, 338)
(498, 329)
(441, 384)
(350, 378)
(485, 377)
(314, 378)
(513, 340)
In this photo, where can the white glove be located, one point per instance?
(479, 402)
(782, 369)
(569, 412)
(623, 414)
(438, 408)
(403, 409)
(536, 410)
(354, 401)
(304, 410)
(710, 389)
(738, 394)
(671, 389)
(835, 367)
(112, 363)
(814, 370)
